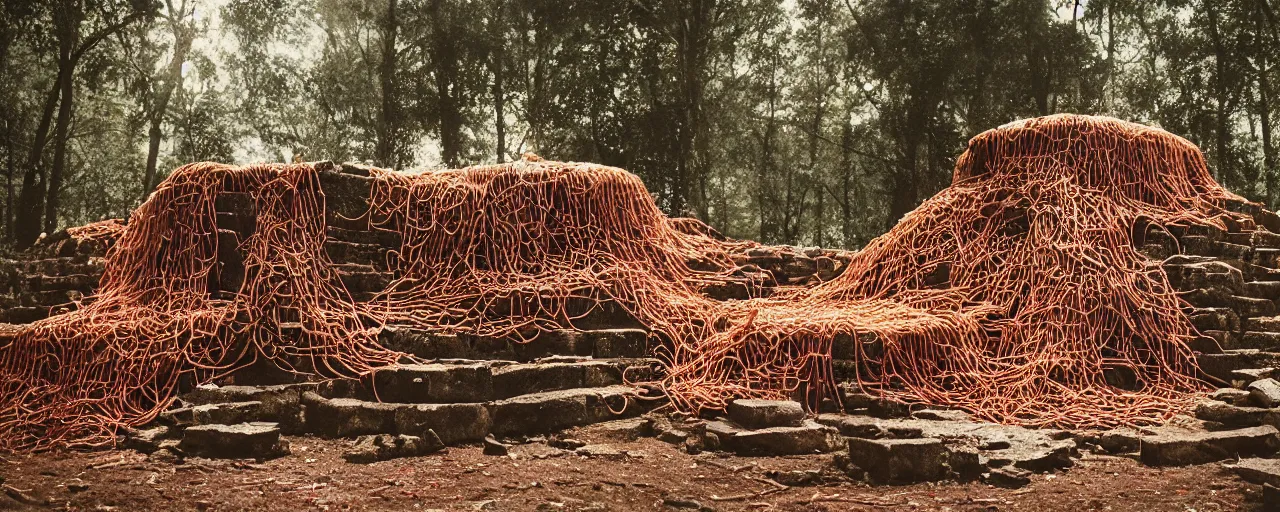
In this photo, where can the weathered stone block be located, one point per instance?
(1262, 340)
(522, 379)
(1180, 449)
(766, 413)
(434, 383)
(557, 410)
(374, 448)
(1215, 319)
(560, 342)
(239, 441)
(1265, 392)
(347, 417)
(1230, 415)
(1231, 396)
(451, 423)
(900, 461)
(610, 343)
(1258, 471)
(808, 438)
(1120, 441)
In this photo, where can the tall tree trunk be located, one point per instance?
(388, 116)
(820, 215)
(498, 63)
(906, 182)
(1040, 79)
(693, 31)
(31, 199)
(60, 138)
(846, 183)
(182, 39)
(6, 38)
(1264, 107)
(1222, 132)
(448, 104)
(8, 185)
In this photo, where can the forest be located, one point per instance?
(808, 122)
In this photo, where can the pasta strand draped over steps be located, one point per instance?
(1011, 294)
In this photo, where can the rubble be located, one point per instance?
(239, 441)
(380, 447)
(1265, 392)
(808, 438)
(900, 461)
(1182, 448)
(766, 413)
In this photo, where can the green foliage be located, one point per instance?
(806, 121)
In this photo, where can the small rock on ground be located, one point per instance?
(766, 413)
(1265, 392)
(493, 447)
(379, 447)
(259, 440)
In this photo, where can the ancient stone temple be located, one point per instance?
(1081, 274)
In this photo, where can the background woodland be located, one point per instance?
(811, 122)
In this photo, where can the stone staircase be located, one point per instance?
(1231, 280)
(460, 387)
(465, 388)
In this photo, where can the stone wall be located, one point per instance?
(61, 269)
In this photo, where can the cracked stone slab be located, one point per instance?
(259, 440)
(808, 438)
(996, 445)
(380, 447)
(1180, 448)
(1258, 471)
(766, 413)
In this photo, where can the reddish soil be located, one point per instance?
(315, 477)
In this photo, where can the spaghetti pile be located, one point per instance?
(1011, 294)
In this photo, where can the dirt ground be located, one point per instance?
(652, 475)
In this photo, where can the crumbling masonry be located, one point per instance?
(526, 298)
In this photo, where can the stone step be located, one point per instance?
(350, 417)
(1236, 416)
(243, 224)
(1263, 323)
(1259, 273)
(483, 381)
(364, 254)
(212, 404)
(1269, 290)
(346, 197)
(39, 283)
(358, 280)
(1204, 274)
(467, 422)
(380, 237)
(1172, 448)
(61, 266)
(557, 410)
(1258, 470)
(23, 314)
(256, 440)
(1206, 246)
(1222, 365)
(1263, 340)
(599, 343)
(1215, 319)
(1243, 306)
(1266, 257)
(809, 437)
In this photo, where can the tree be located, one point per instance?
(75, 39)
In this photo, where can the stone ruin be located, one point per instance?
(504, 393)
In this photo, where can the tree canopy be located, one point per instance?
(799, 121)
